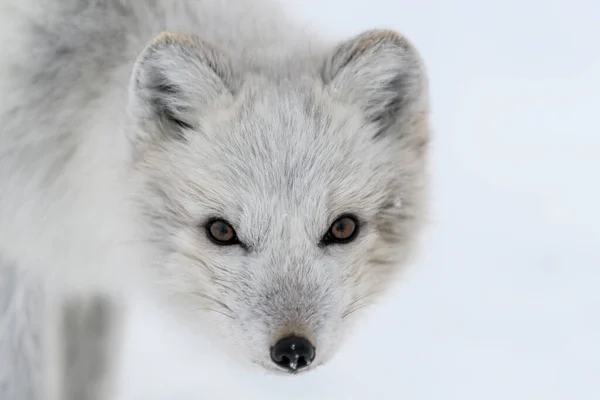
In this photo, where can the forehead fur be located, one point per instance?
(286, 145)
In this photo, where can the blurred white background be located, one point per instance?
(504, 302)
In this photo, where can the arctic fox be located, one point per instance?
(266, 182)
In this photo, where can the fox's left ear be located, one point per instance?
(382, 73)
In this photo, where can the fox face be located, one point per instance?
(276, 209)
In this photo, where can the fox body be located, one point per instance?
(264, 181)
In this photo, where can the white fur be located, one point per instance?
(107, 175)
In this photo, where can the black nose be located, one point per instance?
(293, 353)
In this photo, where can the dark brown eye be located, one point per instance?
(343, 230)
(221, 232)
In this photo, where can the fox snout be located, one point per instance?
(293, 315)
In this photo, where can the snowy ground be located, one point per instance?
(504, 302)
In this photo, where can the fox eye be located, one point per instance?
(221, 232)
(343, 230)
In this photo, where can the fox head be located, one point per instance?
(277, 205)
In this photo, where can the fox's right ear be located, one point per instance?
(176, 80)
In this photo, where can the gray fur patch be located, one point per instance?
(89, 329)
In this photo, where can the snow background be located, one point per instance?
(503, 302)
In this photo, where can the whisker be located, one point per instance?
(357, 300)
(195, 259)
(355, 309)
(220, 284)
(207, 297)
(218, 312)
(359, 303)
(363, 297)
